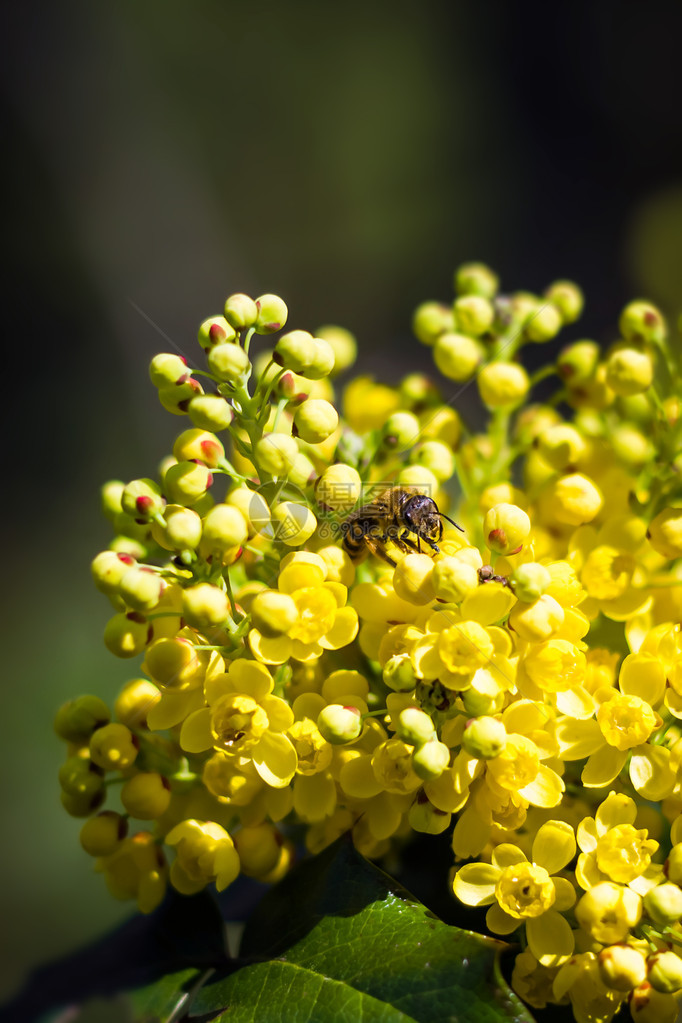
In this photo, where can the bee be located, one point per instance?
(397, 515)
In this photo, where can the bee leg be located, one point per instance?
(377, 548)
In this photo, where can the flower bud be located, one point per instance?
(338, 488)
(241, 312)
(276, 453)
(224, 527)
(146, 795)
(398, 673)
(141, 588)
(628, 370)
(430, 320)
(180, 530)
(412, 579)
(503, 384)
(111, 493)
(126, 635)
(622, 967)
(322, 362)
(176, 397)
(641, 322)
(215, 331)
(172, 663)
(273, 613)
(414, 726)
(272, 314)
(293, 523)
(474, 314)
(343, 345)
(484, 738)
(142, 499)
(575, 499)
(400, 431)
(577, 362)
(537, 621)
(664, 972)
(134, 702)
(205, 606)
(76, 720)
(453, 579)
(229, 363)
(561, 446)
(530, 581)
(665, 532)
(186, 483)
(339, 725)
(253, 507)
(568, 298)
(295, 351)
(543, 324)
(506, 528)
(210, 412)
(108, 568)
(664, 903)
(315, 420)
(167, 369)
(418, 476)
(435, 456)
(113, 747)
(426, 818)
(476, 279)
(199, 446)
(457, 356)
(430, 760)
(100, 835)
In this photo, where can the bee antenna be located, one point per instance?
(444, 516)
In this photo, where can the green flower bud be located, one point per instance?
(113, 747)
(135, 700)
(530, 581)
(199, 446)
(664, 903)
(483, 697)
(241, 312)
(414, 726)
(400, 431)
(641, 322)
(435, 456)
(110, 497)
(253, 507)
(418, 476)
(76, 720)
(276, 453)
(224, 527)
(141, 588)
(187, 482)
(167, 369)
(622, 967)
(302, 472)
(142, 499)
(172, 662)
(474, 314)
(664, 972)
(631, 446)
(568, 298)
(561, 446)
(339, 725)
(628, 370)
(484, 738)
(126, 635)
(315, 420)
(457, 356)
(146, 795)
(506, 528)
(272, 314)
(293, 523)
(210, 412)
(430, 320)
(343, 345)
(398, 673)
(453, 579)
(418, 391)
(426, 818)
(100, 835)
(476, 279)
(180, 531)
(295, 351)
(577, 362)
(430, 760)
(205, 606)
(322, 363)
(273, 613)
(215, 331)
(176, 397)
(544, 324)
(108, 568)
(503, 384)
(229, 363)
(665, 532)
(82, 804)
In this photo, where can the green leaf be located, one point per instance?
(346, 943)
(166, 998)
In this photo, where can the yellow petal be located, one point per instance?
(182, 883)
(550, 938)
(616, 809)
(280, 714)
(471, 834)
(587, 873)
(500, 922)
(488, 604)
(384, 815)
(226, 865)
(269, 649)
(603, 767)
(553, 846)
(314, 796)
(565, 894)
(251, 677)
(587, 834)
(474, 884)
(343, 631)
(578, 739)
(274, 757)
(576, 703)
(173, 708)
(506, 855)
(651, 774)
(306, 652)
(545, 790)
(195, 734)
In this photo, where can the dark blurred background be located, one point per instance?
(159, 156)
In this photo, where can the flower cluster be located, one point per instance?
(384, 622)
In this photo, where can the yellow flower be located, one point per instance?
(136, 870)
(612, 849)
(517, 890)
(205, 852)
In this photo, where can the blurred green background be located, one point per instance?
(159, 156)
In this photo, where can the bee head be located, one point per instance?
(421, 515)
